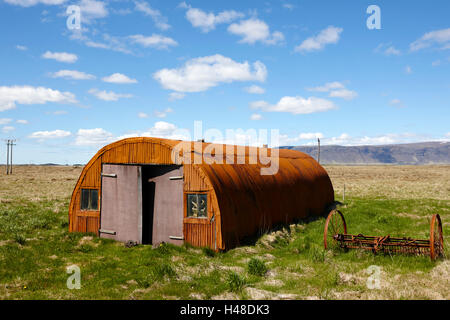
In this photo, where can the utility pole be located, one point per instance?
(7, 156)
(9, 152)
(318, 150)
(11, 143)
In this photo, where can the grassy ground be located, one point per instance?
(290, 263)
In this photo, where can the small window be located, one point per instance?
(197, 205)
(89, 199)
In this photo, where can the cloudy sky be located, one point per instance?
(151, 68)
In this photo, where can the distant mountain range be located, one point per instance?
(411, 153)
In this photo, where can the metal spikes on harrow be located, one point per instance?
(335, 235)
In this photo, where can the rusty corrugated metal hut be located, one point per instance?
(133, 190)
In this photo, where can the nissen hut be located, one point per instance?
(152, 190)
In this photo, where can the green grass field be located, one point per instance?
(288, 263)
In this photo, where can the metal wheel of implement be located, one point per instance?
(436, 237)
(334, 225)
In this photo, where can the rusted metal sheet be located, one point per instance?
(250, 202)
(195, 180)
(241, 200)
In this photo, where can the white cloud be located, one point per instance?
(122, 44)
(254, 89)
(142, 115)
(166, 130)
(22, 121)
(208, 21)
(239, 137)
(108, 95)
(176, 96)
(161, 129)
(343, 93)
(345, 139)
(296, 105)
(392, 51)
(8, 129)
(328, 86)
(5, 121)
(30, 3)
(61, 56)
(93, 137)
(336, 90)
(163, 114)
(44, 135)
(285, 140)
(326, 36)
(202, 73)
(155, 41)
(92, 9)
(159, 20)
(113, 43)
(254, 30)
(118, 78)
(9, 96)
(437, 37)
(21, 48)
(387, 49)
(255, 116)
(72, 74)
(309, 136)
(100, 45)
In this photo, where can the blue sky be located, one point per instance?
(151, 68)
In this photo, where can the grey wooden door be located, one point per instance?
(121, 203)
(168, 205)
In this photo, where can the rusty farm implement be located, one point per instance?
(336, 236)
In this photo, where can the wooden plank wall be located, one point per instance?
(200, 233)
